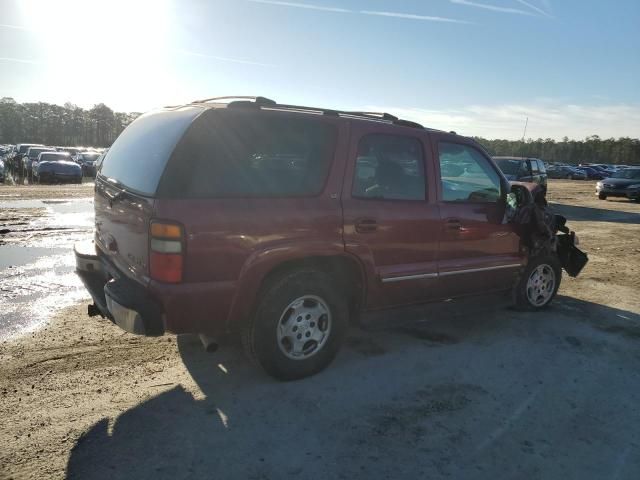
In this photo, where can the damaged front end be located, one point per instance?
(542, 231)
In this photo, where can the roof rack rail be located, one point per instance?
(382, 115)
(257, 100)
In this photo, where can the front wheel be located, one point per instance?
(539, 283)
(299, 325)
(602, 196)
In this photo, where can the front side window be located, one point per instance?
(389, 167)
(466, 175)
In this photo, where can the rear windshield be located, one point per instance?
(239, 154)
(139, 155)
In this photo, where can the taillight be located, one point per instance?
(166, 252)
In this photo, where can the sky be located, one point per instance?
(479, 67)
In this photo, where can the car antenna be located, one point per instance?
(526, 122)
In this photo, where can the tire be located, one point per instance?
(269, 338)
(602, 196)
(569, 177)
(534, 292)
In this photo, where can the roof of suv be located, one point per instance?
(506, 157)
(262, 103)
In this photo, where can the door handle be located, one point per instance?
(366, 225)
(453, 224)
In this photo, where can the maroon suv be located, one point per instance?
(283, 222)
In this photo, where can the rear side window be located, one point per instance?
(389, 167)
(231, 154)
(140, 154)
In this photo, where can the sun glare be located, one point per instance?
(124, 42)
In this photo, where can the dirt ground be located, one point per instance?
(500, 394)
(22, 192)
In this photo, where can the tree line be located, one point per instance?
(67, 125)
(593, 149)
(70, 125)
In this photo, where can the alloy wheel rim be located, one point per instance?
(541, 285)
(304, 327)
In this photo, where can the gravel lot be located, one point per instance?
(500, 395)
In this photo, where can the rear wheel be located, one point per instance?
(539, 283)
(602, 196)
(299, 325)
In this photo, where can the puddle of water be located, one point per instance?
(18, 255)
(37, 269)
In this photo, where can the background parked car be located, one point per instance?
(87, 160)
(592, 173)
(16, 166)
(47, 157)
(70, 150)
(523, 169)
(625, 183)
(58, 170)
(567, 172)
(2, 167)
(30, 157)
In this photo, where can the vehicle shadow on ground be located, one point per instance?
(414, 401)
(572, 212)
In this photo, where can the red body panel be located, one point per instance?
(231, 245)
(404, 239)
(474, 241)
(122, 230)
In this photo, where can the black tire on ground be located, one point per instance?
(602, 196)
(569, 177)
(260, 335)
(525, 300)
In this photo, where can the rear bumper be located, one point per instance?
(123, 301)
(200, 308)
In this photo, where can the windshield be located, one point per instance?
(24, 148)
(53, 157)
(89, 157)
(631, 173)
(34, 152)
(510, 166)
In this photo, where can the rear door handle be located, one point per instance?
(366, 225)
(453, 224)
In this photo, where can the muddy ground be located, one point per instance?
(500, 394)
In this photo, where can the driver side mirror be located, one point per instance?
(519, 196)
